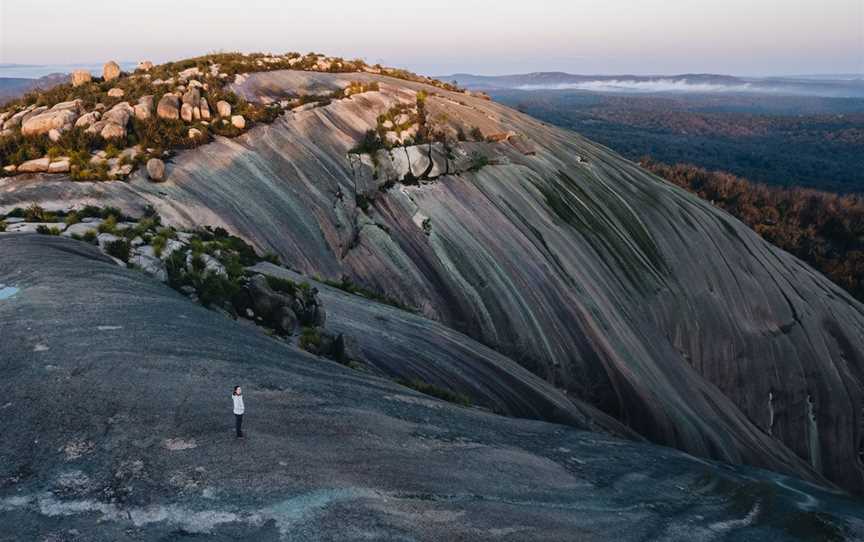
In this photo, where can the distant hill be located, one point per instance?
(15, 87)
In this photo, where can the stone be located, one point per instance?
(110, 71)
(156, 170)
(112, 130)
(54, 135)
(44, 122)
(192, 97)
(72, 105)
(145, 65)
(32, 227)
(60, 166)
(10, 168)
(118, 116)
(115, 93)
(80, 77)
(104, 238)
(194, 133)
(38, 165)
(189, 73)
(144, 108)
(223, 108)
(205, 109)
(238, 121)
(169, 107)
(82, 228)
(186, 112)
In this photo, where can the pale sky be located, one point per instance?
(437, 37)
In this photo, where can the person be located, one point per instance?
(237, 395)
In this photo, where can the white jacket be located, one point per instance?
(238, 404)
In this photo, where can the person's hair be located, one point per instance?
(234, 391)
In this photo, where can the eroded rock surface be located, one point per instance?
(123, 441)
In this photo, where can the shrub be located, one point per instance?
(45, 230)
(310, 339)
(119, 249)
(2, 226)
(35, 213)
(478, 162)
(282, 285)
(477, 134)
(435, 391)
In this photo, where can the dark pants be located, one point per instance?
(238, 424)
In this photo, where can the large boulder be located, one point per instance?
(38, 165)
(186, 112)
(144, 108)
(169, 107)
(87, 119)
(113, 131)
(110, 71)
(156, 170)
(118, 115)
(223, 108)
(80, 77)
(45, 122)
(77, 106)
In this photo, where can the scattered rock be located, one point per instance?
(76, 105)
(144, 108)
(169, 107)
(223, 108)
(111, 130)
(145, 65)
(156, 170)
(205, 109)
(87, 119)
(54, 134)
(115, 92)
(186, 112)
(60, 166)
(238, 121)
(80, 77)
(44, 122)
(194, 133)
(38, 165)
(110, 71)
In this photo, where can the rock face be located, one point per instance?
(156, 170)
(629, 293)
(110, 71)
(80, 77)
(167, 463)
(169, 107)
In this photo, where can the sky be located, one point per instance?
(439, 37)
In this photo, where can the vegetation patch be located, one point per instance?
(435, 391)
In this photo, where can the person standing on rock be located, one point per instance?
(237, 395)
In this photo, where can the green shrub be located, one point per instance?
(310, 339)
(477, 134)
(435, 391)
(478, 162)
(282, 285)
(2, 226)
(119, 249)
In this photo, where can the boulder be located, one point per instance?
(77, 106)
(54, 135)
(205, 109)
(186, 112)
(189, 73)
(145, 65)
(80, 77)
(156, 170)
(60, 166)
(169, 107)
(143, 110)
(192, 97)
(87, 119)
(223, 108)
(11, 168)
(110, 71)
(118, 115)
(194, 133)
(38, 165)
(112, 130)
(44, 122)
(238, 121)
(115, 93)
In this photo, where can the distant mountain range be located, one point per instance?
(838, 86)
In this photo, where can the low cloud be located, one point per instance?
(654, 85)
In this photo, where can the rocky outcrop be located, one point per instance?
(600, 278)
(110, 71)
